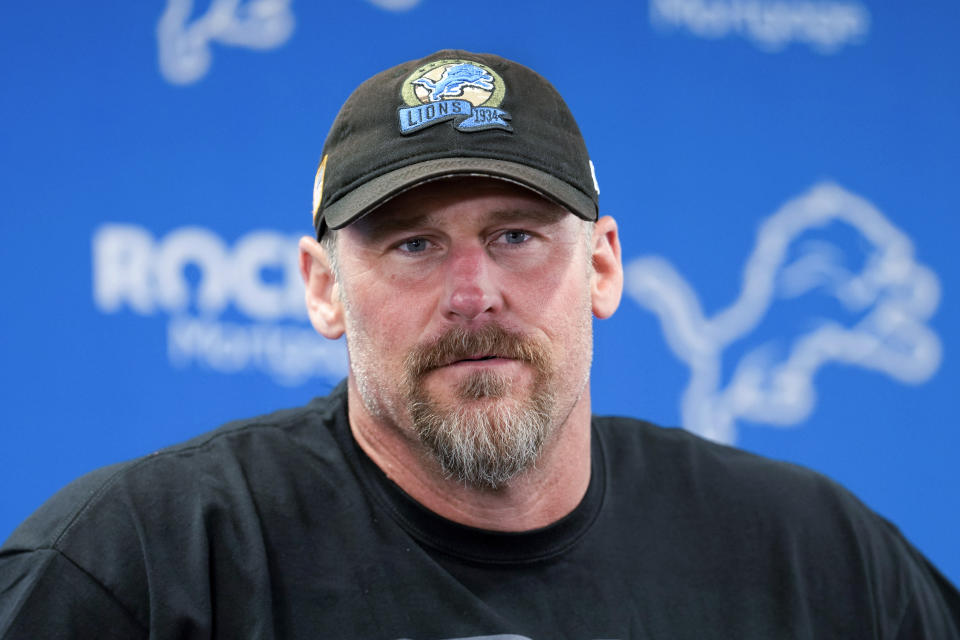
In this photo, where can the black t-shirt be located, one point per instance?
(281, 527)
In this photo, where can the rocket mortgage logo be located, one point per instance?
(192, 276)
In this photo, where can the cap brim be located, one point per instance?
(375, 192)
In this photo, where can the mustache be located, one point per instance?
(458, 343)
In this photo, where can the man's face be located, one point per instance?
(468, 321)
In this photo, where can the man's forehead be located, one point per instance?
(434, 203)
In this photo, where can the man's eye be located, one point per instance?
(515, 236)
(414, 245)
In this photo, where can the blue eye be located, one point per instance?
(515, 236)
(414, 245)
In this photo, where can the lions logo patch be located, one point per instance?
(467, 92)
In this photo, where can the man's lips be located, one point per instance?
(490, 358)
(490, 346)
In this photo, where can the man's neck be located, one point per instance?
(539, 496)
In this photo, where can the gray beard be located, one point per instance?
(485, 439)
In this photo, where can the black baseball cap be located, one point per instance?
(452, 113)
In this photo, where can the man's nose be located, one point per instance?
(471, 286)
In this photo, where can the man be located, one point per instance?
(456, 486)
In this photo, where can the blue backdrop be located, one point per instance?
(784, 173)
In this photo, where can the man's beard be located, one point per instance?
(483, 438)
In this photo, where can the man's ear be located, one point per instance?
(606, 283)
(322, 290)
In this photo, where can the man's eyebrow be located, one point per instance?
(388, 225)
(534, 214)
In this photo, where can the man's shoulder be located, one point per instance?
(673, 461)
(737, 511)
(677, 474)
(634, 440)
(184, 474)
(307, 426)
(171, 519)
